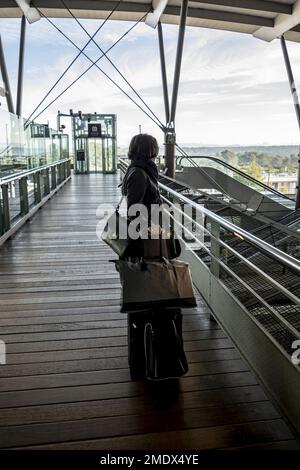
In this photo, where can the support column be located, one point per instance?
(163, 71)
(296, 106)
(183, 15)
(169, 130)
(4, 73)
(21, 66)
(170, 140)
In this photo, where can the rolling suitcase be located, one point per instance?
(155, 345)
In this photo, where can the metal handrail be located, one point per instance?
(249, 263)
(252, 266)
(279, 255)
(17, 176)
(179, 158)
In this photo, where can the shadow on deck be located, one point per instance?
(66, 384)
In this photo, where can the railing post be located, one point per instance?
(53, 177)
(37, 188)
(215, 248)
(58, 173)
(1, 215)
(5, 208)
(47, 182)
(23, 189)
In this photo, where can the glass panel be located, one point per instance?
(95, 142)
(30, 185)
(95, 155)
(14, 200)
(42, 183)
(26, 146)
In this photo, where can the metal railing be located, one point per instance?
(22, 194)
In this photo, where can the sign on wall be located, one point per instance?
(94, 130)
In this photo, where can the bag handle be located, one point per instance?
(119, 203)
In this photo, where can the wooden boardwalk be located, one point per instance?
(66, 384)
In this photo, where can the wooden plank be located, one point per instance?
(213, 437)
(106, 376)
(105, 342)
(163, 421)
(39, 338)
(83, 363)
(189, 326)
(128, 406)
(119, 390)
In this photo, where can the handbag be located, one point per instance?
(115, 225)
(151, 284)
(167, 247)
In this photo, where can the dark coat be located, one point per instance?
(140, 184)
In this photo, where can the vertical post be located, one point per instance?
(183, 15)
(37, 187)
(58, 121)
(21, 67)
(23, 189)
(53, 177)
(4, 73)
(296, 106)
(5, 208)
(170, 140)
(170, 136)
(163, 71)
(215, 248)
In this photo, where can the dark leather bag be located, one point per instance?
(152, 283)
(116, 226)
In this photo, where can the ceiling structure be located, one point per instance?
(263, 19)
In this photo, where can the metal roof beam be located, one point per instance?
(258, 5)
(31, 14)
(217, 15)
(282, 24)
(199, 13)
(153, 17)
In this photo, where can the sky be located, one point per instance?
(233, 89)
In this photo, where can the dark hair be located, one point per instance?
(143, 147)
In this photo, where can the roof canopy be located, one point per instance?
(264, 19)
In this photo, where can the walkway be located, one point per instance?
(66, 384)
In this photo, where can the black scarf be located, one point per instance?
(148, 166)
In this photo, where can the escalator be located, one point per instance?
(209, 173)
(276, 233)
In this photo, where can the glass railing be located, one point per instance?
(23, 193)
(25, 145)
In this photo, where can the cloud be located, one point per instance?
(233, 87)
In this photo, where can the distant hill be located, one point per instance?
(282, 150)
(194, 149)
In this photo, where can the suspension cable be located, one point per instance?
(72, 62)
(83, 73)
(110, 61)
(95, 63)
